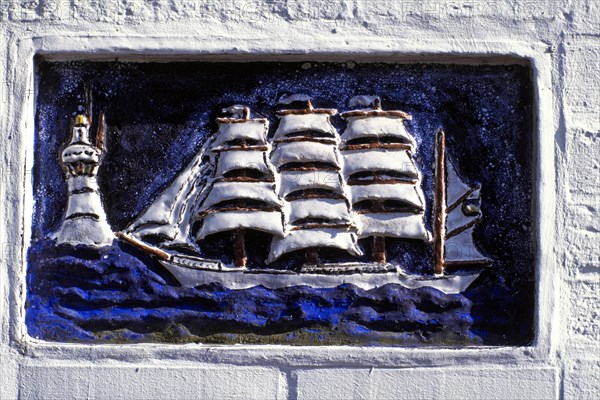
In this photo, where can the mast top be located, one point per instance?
(376, 111)
(313, 122)
(240, 130)
(309, 109)
(239, 114)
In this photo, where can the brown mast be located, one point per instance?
(379, 255)
(100, 141)
(239, 248)
(312, 256)
(379, 250)
(240, 258)
(439, 220)
(239, 238)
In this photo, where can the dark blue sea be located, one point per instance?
(117, 294)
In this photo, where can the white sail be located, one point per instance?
(379, 159)
(292, 181)
(225, 191)
(460, 249)
(381, 166)
(311, 238)
(294, 123)
(456, 219)
(377, 127)
(399, 225)
(236, 201)
(318, 221)
(223, 221)
(462, 214)
(410, 194)
(332, 210)
(455, 187)
(170, 215)
(239, 129)
(304, 152)
(228, 161)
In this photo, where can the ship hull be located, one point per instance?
(192, 274)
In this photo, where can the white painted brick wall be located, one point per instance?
(561, 37)
(62, 381)
(452, 383)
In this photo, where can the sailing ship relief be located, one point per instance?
(313, 192)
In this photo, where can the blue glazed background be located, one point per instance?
(158, 117)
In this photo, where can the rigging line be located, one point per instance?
(306, 139)
(383, 146)
(322, 225)
(463, 228)
(462, 198)
(240, 148)
(206, 212)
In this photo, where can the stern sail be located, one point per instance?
(462, 214)
(457, 211)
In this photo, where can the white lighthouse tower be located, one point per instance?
(85, 220)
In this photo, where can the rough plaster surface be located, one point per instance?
(499, 383)
(560, 37)
(141, 382)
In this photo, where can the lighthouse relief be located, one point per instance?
(85, 220)
(282, 203)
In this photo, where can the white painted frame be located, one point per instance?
(18, 121)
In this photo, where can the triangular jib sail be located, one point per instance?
(168, 220)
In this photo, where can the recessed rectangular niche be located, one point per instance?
(300, 203)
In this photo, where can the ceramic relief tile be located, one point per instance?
(289, 203)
